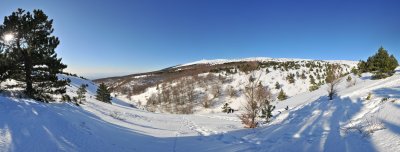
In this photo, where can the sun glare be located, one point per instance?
(8, 37)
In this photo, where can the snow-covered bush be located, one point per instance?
(117, 115)
(365, 127)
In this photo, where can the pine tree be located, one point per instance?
(381, 64)
(5, 67)
(282, 95)
(313, 87)
(291, 78)
(393, 63)
(266, 112)
(81, 94)
(362, 66)
(32, 52)
(349, 78)
(103, 94)
(225, 108)
(277, 85)
(312, 80)
(354, 71)
(303, 76)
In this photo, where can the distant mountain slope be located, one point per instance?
(293, 76)
(262, 59)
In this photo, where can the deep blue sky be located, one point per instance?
(118, 37)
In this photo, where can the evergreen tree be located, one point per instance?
(266, 111)
(225, 108)
(362, 66)
(303, 76)
(313, 87)
(354, 71)
(291, 78)
(277, 85)
(81, 93)
(312, 80)
(32, 53)
(393, 64)
(349, 78)
(282, 95)
(381, 64)
(5, 67)
(103, 94)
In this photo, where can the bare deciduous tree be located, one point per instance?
(206, 102)
(232, 92)
(333, 78)
(257, 97)
(248, 118)
(216, 90)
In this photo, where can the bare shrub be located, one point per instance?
(333, 79)
(151, 103)
(251, 107)
(365, 127)
(166, 92)
(189, 89)
(262, 93)
(179, 96)
(206, 102)
(117, 115)
(176, 93)
(216, 90)
(232, 92)
(258, 99)
(351, 83)
(384, 99)
(250, 66)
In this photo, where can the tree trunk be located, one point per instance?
(27, 68)
(28, 73)
(28, 76)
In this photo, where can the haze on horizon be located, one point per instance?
(108, 38)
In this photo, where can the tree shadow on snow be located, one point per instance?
(393, 92)
(35, 126)
(392, 127)
(313, 127)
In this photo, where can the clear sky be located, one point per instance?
(114, 37)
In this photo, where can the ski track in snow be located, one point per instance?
(199, 129)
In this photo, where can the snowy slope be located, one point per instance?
(312, 123)
(268, 76)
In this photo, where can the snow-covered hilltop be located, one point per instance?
(261, 59)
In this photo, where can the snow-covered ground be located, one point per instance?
(312, 123)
